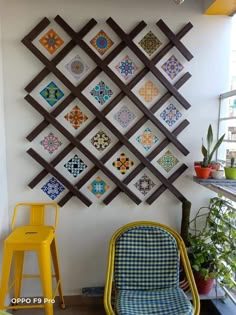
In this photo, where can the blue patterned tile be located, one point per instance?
(53, 188)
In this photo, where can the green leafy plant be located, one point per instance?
(209, 151)
(212, 249)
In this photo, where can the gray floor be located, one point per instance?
(206, 309)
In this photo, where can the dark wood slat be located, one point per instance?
(84, 132)
(172, 37)
(83, 149)
(129, 134)
(118, 82)
(87, 80)
(170, 45)
(37, 29)
(115, 27)
(150, 157)
(69, 46)
(61, 178)
(162, 188)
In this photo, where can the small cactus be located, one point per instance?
(232, 160)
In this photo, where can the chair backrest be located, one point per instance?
(37, 213)
(146, 258)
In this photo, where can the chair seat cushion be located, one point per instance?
(171, 301)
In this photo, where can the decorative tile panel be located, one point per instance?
(172, 67)
(100, 140)
(101, 42)
(123, 163)
(150, 43)
(147, 139)
(101, 92)
(170, 115)
(98, 187)
(51, 143)
(168, 161)
(77, 67)
(144, 184)
(53, 188)
(52, 94)
(126, 68)
(76, 117)
(51, 41)
(124, 116)
(149, 91)
(75, 166)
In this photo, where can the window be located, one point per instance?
(227, 114)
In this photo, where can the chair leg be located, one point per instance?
(57, 271)
(44, 259)
(6, 268)
(18, 269)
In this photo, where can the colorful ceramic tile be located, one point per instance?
(101, 92)
(51, 143)
(51, 93)
(147, 139)
(124, 116)
(101, 42)
(98, 187)
(168, 161)
(77, 67)
(126, 68)
(100, 140)
(51, 41)
(149, 91)
(53, 188)
(170, 115)
(123, 163)
(150, 43)
(75, 166)
(144, 184)
(172, 67)
(76, 117)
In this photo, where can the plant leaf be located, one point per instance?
(209, 137)
(218, 143)
(204, 151)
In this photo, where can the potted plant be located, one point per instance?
(212, 249)
(230, 172)
(204, 169)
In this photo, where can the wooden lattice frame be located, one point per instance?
(100, 116)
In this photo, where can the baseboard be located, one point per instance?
(75, 300)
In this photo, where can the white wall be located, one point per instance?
(4, 224)
(83, 233)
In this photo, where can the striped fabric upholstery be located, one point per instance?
(146, 258)
(163, 302)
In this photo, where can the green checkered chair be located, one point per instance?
(143, 269)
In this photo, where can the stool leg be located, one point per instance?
(6, 268)
(57, 271)
(44, 259)
(18, 269)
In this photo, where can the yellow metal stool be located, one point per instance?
(34, 237)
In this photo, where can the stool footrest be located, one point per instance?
(34, 276)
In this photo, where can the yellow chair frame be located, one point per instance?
(45, 248)
(183, 254)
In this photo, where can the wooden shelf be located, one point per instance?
(226, 187)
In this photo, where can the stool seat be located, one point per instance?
(35, 235)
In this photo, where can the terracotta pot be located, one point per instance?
(202, 172)
(203, 286)
(230, 172)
